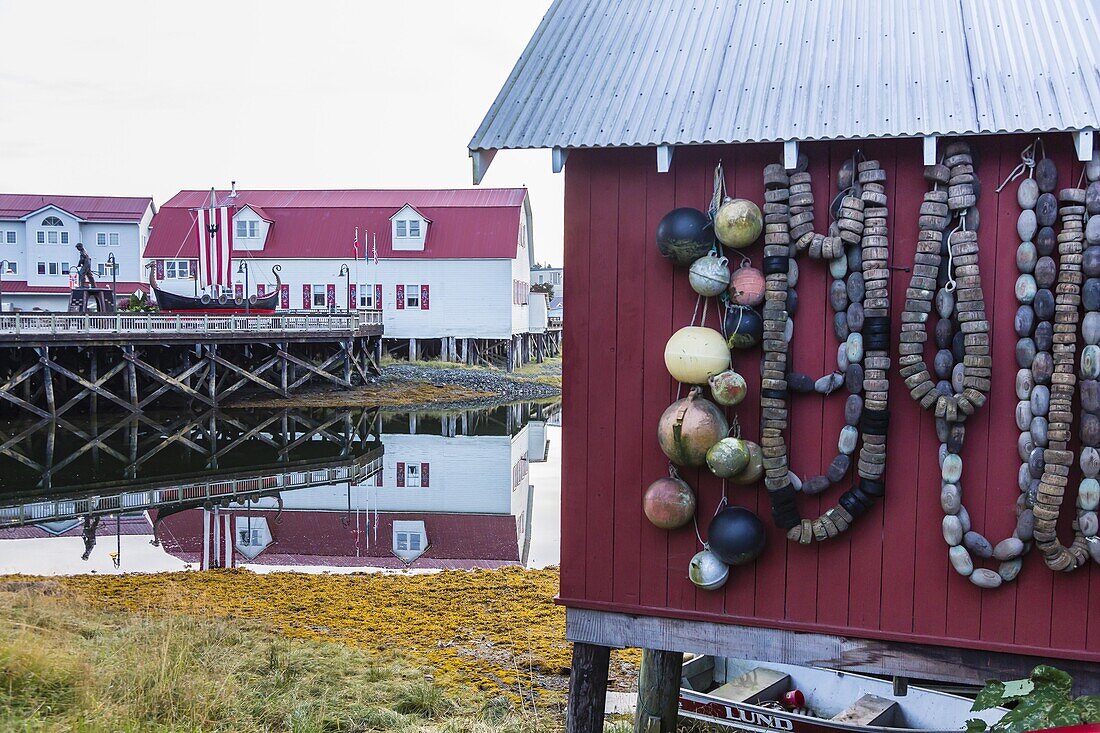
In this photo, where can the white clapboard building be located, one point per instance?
(450, 269)
(454, 492)
(38, 238)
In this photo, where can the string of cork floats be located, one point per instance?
(947, 278)
(856, 250)
(1058, 457)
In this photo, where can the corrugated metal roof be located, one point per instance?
(600, 73)
(92, 208)
(357, 198)
(465, 223)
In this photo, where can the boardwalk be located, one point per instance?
(51, 363)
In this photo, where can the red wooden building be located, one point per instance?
(639, 102)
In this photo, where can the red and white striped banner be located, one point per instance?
(215, 230)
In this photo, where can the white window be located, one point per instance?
(407, 541)
(52, 237)
(177, 269)
(53, 268)
(248, 229)
(101, 239)
(365, 293)
(250, 538)
(52, 221)
(402, 228)
(64, 237)
(412, 296)
(412, 475)
(40, 237)
(9, 237)
(414, 228)
(13, 268)
(41, 268)
(64, 268)
(320, 297)
(112, 239)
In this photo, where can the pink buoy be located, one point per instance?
(747, 286)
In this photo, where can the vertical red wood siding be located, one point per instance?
(889, 576)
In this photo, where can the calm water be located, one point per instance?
(315, 490)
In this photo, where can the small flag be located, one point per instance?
(355, 245)
(376, 249)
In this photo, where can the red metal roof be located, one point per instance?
(130, 525)
(92, 208)
(320, 538)
(465, 223)
(122, 287)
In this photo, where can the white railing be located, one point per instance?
(130, 501)
(37, 324)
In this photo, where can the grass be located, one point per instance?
(67, 667)
(477, 652)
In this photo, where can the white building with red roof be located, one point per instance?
(450, 269)
(38, 238)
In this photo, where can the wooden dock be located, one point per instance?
(51, 363)
(171, 462)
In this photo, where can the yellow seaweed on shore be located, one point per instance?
(487, 629)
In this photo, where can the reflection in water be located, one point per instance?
(305, 489)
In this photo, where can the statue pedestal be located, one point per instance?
(92, 300)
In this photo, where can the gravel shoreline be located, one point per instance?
(504, 388)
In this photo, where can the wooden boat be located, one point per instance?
(224, 304)
(760, 697)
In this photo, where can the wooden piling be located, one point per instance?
(658, 691)
(587, 689)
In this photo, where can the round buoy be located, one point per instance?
(669, 502)
(709, 275)
(728, 388)
(707, 571)
(747, 286)
(738, 223)
(694, 354)
(736, 536)
(689, 427)
(744, 327)
(684, 235)
(727, 457)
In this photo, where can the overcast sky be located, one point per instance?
(146, 98)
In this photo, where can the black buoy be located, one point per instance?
(736, 535)
(684, 235)
(744, 327)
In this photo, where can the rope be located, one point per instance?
(951, 284)
(1027, 163)
(719, 189)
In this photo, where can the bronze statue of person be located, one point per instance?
(84, 268)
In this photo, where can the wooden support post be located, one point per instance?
(347, 361)
(412, 349)
(511, 353)
(47, 380)
(131, 375)
(284, 366)
(658, 691)
(212, 379)
(587, 689)
(93, 374)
